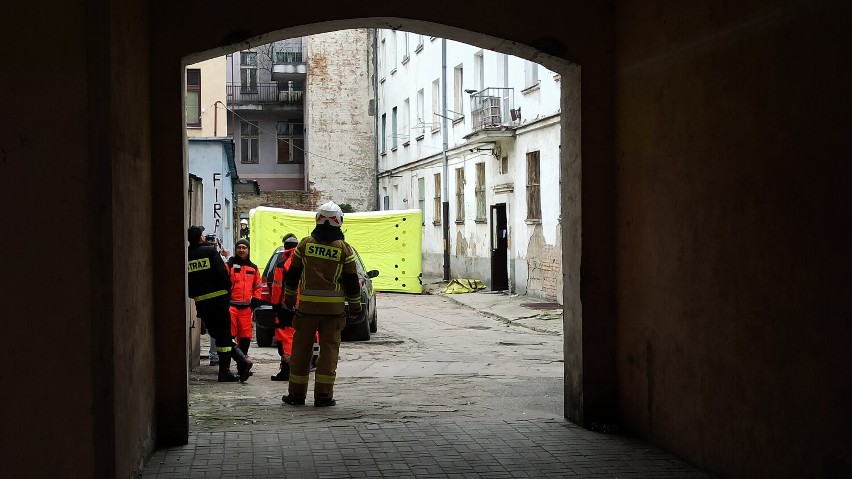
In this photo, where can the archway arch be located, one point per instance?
(171, 390)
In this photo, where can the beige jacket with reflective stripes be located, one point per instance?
(322, 264)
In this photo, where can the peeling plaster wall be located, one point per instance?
(340, 131)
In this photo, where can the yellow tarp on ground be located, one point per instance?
(458, 286)
(388, 241)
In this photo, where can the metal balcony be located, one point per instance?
(288, 64)
(262, 93)
(494, 109)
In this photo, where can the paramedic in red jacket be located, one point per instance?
(245, 294)
(283, 326)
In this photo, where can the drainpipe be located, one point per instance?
(376, 112)
(445, 207)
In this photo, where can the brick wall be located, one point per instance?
(296, 200)
(544, 267)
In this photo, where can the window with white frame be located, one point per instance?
(383, 53)
(533, 185)
(248, 142)
(393, 129)
(530, 74)
(421, 115)
(436, 105)
(421, 195)
(193, 98)
(458, 92)
(406, 115)
(384, 133)
(479, 71)
(480, 191)
(248, 72)
(460, 195)
(405, 36)
(392, 50)
(437, 200)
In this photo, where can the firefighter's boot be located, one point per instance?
(225, 374)
(283, 373)
(243, 364)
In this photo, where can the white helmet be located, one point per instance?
(243, 222)
(330, 213)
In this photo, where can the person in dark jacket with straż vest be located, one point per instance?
(210, 286)
(322, 274)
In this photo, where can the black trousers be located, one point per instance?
(216, 315)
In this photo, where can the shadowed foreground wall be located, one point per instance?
(733, 141)
(711, 316)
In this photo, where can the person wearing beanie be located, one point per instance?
(245, 293)
(209, 284)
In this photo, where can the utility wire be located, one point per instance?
(342, 162)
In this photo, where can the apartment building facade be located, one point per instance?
(477, 149)
(299, 112)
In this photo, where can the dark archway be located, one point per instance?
(175, 396)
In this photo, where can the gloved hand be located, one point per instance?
(254, 303)
(352, 314)
(285, 317)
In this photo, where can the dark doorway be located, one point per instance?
(499, 248)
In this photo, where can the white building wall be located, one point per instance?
(534, 256)
(208, 160)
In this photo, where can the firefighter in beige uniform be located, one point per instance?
(323, 274)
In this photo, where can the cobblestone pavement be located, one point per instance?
(448, 387)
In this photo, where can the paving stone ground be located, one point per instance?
(465, 386)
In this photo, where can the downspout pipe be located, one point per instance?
(445, 206)
(376, 113)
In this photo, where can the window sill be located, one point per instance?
(394, 148)
(420, 137)
(436, 223)
(405, 59)
(533, 221)
(459, 222)
(458, 120)
(193, 127)
(382, 80)
(436, 130)
(532, 88)
(393, 71)
(418, 48)
(406, 144)
(432, 39)
(557, 77)
(481, 221)
(384, 153)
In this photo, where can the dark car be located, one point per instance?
(358, 329)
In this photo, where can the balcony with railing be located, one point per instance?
(264, 94)
(493, 111)
(288, 64)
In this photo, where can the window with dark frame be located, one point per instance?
(291, 142)
(533, 182)
(248, 142)
(248, 72)
(193, 98)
